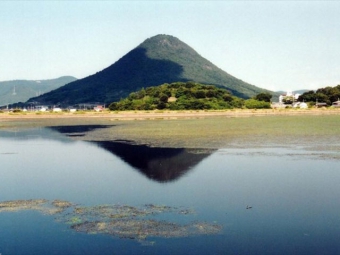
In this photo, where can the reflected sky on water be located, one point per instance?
(293, 194)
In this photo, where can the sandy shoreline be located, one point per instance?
(132, 115)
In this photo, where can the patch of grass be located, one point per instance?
(80, 112)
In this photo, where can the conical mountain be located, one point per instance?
(159, 59)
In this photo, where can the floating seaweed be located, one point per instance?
(122, 221)
(59, 206)
(61, 203)
(19, 205)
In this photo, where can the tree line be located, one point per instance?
(326, 95)
(187, 96)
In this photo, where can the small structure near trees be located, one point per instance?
(57, 109)
(288, 98)
(336, 103)
(98, 108)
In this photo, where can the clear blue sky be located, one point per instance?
(277, 45)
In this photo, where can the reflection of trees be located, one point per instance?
(78, 128)
(159, 164)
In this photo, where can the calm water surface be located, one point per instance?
(293, 192)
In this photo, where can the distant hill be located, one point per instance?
(22, 90)
(159, 59)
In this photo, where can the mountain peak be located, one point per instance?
(159, 44)
(162, 40)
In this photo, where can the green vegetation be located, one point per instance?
(326, 95)
(179, 96)
(256, 104)
(288, 100)
(264, 96)
(185, 96)
(260, 101)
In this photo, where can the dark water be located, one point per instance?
(293, 192)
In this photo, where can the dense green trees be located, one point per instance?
(325, 95)
(179, 96)
(187, 96)
(256, 104)
(266, 97)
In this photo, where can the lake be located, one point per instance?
(89, 189)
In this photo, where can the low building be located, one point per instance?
(336, 103)
(319, 105)
(98, 108)
(303, 105)
(42, 108)
(57, 109)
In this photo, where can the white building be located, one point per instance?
(57, 109)
(303, 105)
(42, 108)
(336, 103)
(288, 94)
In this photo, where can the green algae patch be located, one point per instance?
(121, 221)
(73, 221)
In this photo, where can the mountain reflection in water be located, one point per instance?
(74, 131)
(159, 164)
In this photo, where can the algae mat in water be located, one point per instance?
(122, 221)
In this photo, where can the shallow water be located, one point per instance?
(293, 192)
